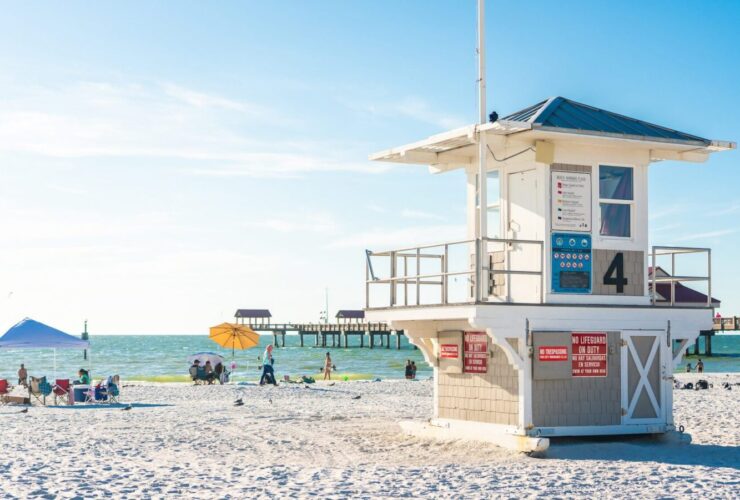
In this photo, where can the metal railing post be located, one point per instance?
(445, 260)
(405, 280)
(367, 285)
(478, 272)
(393, 279)
(418, 273)
(709, 277)
(673, 282)
(655, 282)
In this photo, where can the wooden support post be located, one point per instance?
(708, 345)
(362, 339)
(301, 334)
(372, 340)
(398, 341)
(696, 346)
(388, 340)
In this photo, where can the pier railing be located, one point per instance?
(444, 273)
(673, 280)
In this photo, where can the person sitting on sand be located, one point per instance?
(327, 367)
(700, 366)
(219, 371)
(23, 376)
(84, 377)
(210, 375)
(268, 373)
(413, 370)
(408, 369)
(194, 370)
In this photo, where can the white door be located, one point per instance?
(643, 374)
(524, 223)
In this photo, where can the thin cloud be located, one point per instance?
(667, 212)
(166, 121)
(420, 214)
(730, 209)
(707, 235)
(309, 223)
(411, 107)
(383, 239)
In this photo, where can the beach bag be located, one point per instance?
(308, 380)
(702, 384)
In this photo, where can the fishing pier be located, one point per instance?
(350, 330)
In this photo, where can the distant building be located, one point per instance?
(345, 316)
(252, 316)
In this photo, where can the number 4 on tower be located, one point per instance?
(615, 274)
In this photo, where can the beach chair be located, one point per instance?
(111, 391)
(39, 388)
(4, 391)
(61, 390)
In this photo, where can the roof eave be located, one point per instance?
(439, 149)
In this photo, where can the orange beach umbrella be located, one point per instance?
(234, 336)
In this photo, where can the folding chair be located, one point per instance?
(61, 390)
(4, 391)
(110, 392)
(39, 388)
(114, 389)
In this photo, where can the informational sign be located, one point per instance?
(571, 201)
(589, 352)
(475, 352)
(450, 351)
(571, 263)
(552, 353)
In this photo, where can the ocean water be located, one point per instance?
(163, 358)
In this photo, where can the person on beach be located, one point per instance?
(84, 377)
(194, 370)
(688, 368)
(210, 375)
(327, 367)
(219, 371)
(268, 373)
(413, 370)
(700, 366)
(22, 376)
(408, 369)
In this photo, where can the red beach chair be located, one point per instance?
(61, 390)
(4, 391)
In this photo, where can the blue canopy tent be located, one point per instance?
(30, 334)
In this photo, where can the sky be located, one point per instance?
(163, 164)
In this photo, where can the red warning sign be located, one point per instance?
(475, 352)
(451, 351)
(589, 354)
(552, 353)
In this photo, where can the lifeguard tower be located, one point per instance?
(542, 322)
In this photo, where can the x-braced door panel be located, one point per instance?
(643, 401)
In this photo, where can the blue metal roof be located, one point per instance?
(565, 115)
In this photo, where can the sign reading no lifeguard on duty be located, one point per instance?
(589, 354)
(475, 352)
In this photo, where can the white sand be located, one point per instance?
(321, 442)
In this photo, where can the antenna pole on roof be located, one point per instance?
(481, 267)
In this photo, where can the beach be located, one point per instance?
(322, 440)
